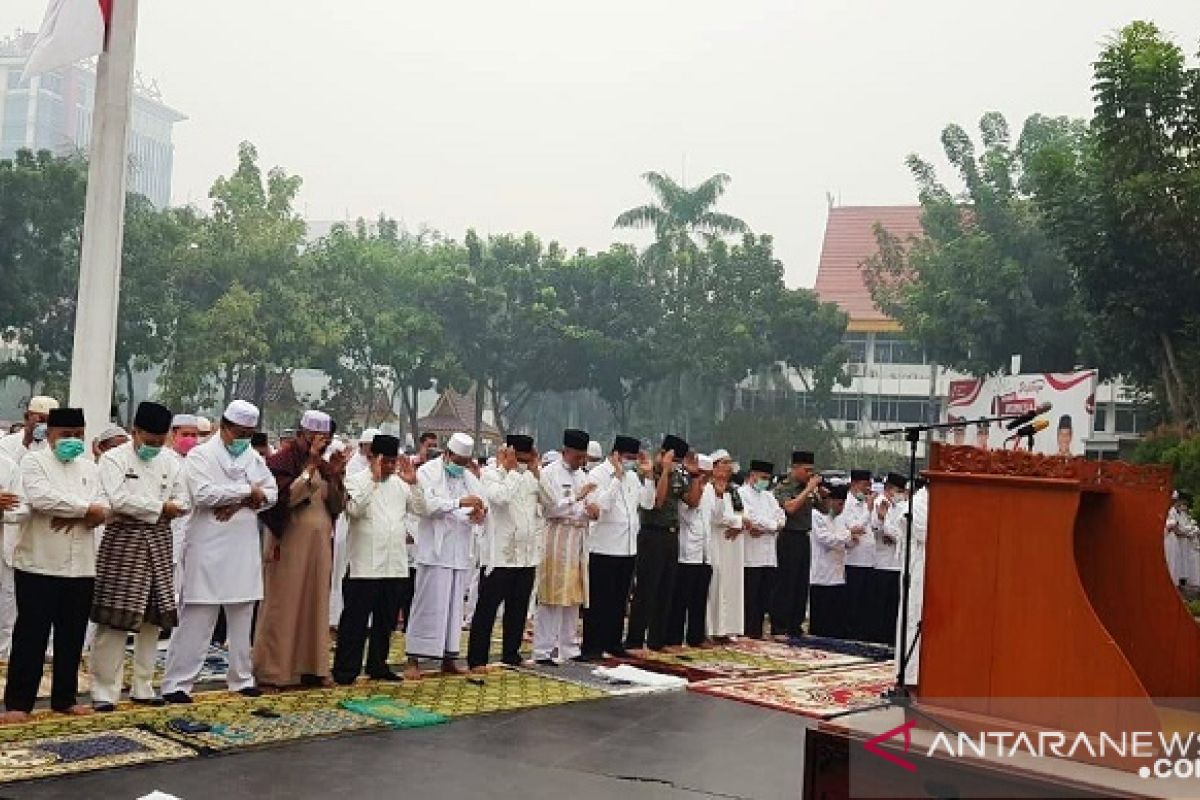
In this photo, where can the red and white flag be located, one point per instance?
(71, 31)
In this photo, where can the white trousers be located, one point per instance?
(108, 663)
(341, 560)
(554, 629)
(472, 599)
(8, 608)
(435, 630)
(189, 645)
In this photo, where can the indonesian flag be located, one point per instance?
(72, 30)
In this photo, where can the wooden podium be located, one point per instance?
(1046, 585)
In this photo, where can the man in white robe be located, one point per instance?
(885, 508)
(359, 462)
(860, 557)
(222, 553)
(454, 505)
(919, 508)
(827, 580)
(762, 517)
(726, 594)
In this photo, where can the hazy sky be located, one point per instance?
(509, 115)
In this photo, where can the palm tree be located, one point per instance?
(680, 212)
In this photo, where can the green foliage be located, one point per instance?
(1177, 448)
(747, 435)
(876, 459)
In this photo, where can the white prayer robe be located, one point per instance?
(1180, 542)
(515, 529)
(763, 511)
(860, 553)
(222, 561)
(341, 528)
(916, 595)
(563, 572)
(830, 537)
(378, 514)
(619, 498)
(53, 489)
(887, 553)
(726, 592)
(445, 558)
(696, 527)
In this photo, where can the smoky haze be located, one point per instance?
(521, 115)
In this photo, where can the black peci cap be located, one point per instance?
(803, 458)
(576, 439)
(520, 442)
(65, 418)
(153, 418)
(627, 446)
(762, 466)
(676, 444)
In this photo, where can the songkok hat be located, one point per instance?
(895, 479)
(575, 439)
(65, 418)
(627, 446)
(719, 455)
(550, 457)
(461, 445)
(594, 450)
(520, 442)
(1064, 422)
(803, 457)
(860, 474)
(386, 446)
(184, 421)
(705, 463)
(838, 491)
(673, 442)
(241, 412)
(316, 422)
(920, 483)
(112, 432)
(368, 435)
(762, 466)
(204, 424)
(42, 404)
(152, 418)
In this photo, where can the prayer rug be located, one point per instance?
(581, 675)
(755, 660)
(396, 649)
(873, 652)
(819, 694)
(501, 689)
(794, 658)
(84, 752)
(214, 670)
(241, 727)
(394, 713)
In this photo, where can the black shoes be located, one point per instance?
(178, 698)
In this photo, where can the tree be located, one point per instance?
(679, 213)
(1122, 199)
(985, 281)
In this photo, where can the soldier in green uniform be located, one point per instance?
(796, 494)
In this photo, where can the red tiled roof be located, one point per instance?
(849, 241)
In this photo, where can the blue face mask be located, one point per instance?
(762, 484)
(147, 453)
(67, 450)
(39, 432)
(630, 466)
(237, 447)
(455, 470)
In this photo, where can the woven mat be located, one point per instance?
(239, 728)
(394, 713)
(501, 689)
(84, 752)
(396, 655)
(872, 652)
(581, 675)
(820, 694)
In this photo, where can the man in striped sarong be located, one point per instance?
(134, 569)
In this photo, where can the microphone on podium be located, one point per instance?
(1030, 429)
(1029, 415)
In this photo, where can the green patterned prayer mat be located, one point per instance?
(500, 689)
(396, 655)
(395, 713)
(236, 728)
(747, 659)
(53, 756)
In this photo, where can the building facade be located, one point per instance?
(53, 111)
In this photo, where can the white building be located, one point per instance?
(53, 111)
(892, 381)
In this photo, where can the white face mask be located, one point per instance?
(522, 467)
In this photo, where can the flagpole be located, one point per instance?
(104, 223)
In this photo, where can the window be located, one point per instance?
(856, 343)
(1130, 420)
(896, 350)
(843, 408)
(908, 410)
(1101, 419)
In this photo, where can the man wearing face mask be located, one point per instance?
(182, 438)
(562, 578)
(762, 517)
(454, 505)
(134, 582)
(860, 558)
(222, 554)
(291, 644)
(14, 446)
(827, 590)
(625, 485)
(55, 565)
(511, 550)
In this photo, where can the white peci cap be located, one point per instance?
(42, 404)
(595, 451)
(705, 463)
(719, 455)
(461, 445)
(316, 422)
(368, 435)
(240, 412)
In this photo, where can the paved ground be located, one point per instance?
(676, 745)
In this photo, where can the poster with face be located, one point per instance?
(1072, 396)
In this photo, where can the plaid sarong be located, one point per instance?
(134, 576)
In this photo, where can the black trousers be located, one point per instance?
(363, 599)
(689, 607)
(789, 605)
(759, 584)
(407, 587)
(861, 610)
(653, 588)
(828, 611)
(45, 602)
(609, 579)
(513, 587)
(887, 596)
